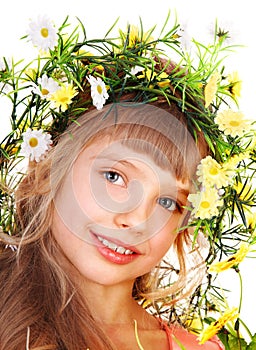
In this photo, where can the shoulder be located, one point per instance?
(181, 337)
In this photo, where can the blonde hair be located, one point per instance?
(36, 291)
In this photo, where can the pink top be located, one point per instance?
(178, 335)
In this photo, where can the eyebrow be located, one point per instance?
(115, 159)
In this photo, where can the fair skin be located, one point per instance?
(116, 217)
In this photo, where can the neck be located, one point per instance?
(116, 312)
(111, 304)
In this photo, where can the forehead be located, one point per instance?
(109, 153)
(153, 132)
(117, 151)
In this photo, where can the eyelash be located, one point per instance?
(106, 175)
(176, 206)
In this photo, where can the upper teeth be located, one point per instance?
(113, 246)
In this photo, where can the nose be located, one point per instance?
(136, 218)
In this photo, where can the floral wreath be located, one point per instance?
(72, 75)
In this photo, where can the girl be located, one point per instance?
(98, 247)
(98, 214)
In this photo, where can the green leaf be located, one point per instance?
(232, 342)
(252, 345)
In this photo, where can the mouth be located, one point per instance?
(114, 250)
(114, 247)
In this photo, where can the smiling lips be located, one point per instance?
(114, 247)
(115, 253)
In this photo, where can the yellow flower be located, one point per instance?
(233, 260)
(252, 145)
(205, 203)
(161, 79)
(216, 326)
(251, 221)
(135, 36)
(84, 56)
(232, 163)
(235, 84)
(194, 324)
(211, 88)
(245, 192)
(164, 81)
(63, 96)
(31, 73)
(232, 123)
(211, 173)
(148, 73)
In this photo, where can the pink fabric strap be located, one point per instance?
(170, 330)
(168, 333)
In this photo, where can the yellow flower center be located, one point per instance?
(234, 123)
(214, 170)
(44, 32)
(44, 92)
(33, 142)
(99, 89)
(64, 99)
(205, 204)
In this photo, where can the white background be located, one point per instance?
(197, 18)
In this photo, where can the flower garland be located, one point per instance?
(72, 74)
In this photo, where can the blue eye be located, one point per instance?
(167, 203)
(113, 177)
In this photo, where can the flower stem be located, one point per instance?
(137, 335)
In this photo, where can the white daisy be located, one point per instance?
(205, 203)
(136, 69)
(46, 87)
(42, 33)
(98, 91)
(232, 123)
(211, 173)
(35, 144)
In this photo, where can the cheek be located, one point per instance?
(89, 204)
(164, 239)
(73, 209)
(72, 243)
(67, 240)
(165, 223)
(74, 249)
(88, 192)
(160, 245)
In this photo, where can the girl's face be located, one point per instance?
(117, 213)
